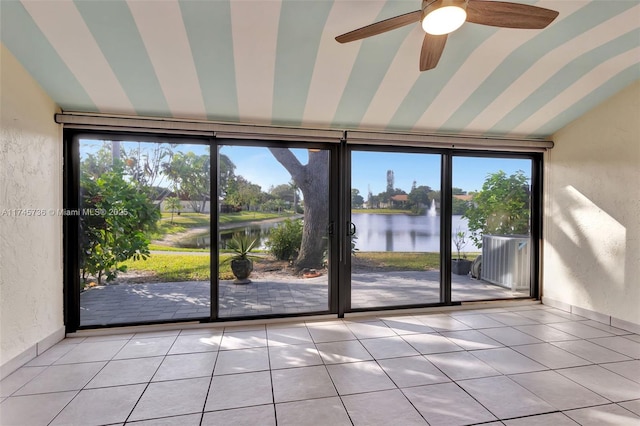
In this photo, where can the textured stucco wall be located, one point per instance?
(30, 178)
(592, 218)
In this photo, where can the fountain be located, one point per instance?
(432, 209)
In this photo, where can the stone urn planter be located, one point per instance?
(241, 269)
(241, 261)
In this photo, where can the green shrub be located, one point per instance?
(113, 230)
(285, 239)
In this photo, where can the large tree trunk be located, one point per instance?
(313, 181)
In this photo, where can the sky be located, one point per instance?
(369, 169)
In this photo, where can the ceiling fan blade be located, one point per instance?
(432, 48)
(380, 27)
(509, 15)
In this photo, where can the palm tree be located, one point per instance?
(174, 204)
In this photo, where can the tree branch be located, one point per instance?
(290, 162)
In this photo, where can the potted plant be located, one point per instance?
(461, 265)
(241, 261)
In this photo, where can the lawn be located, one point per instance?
(249, 216)
(168, 267)
(172, 267)
(158, 247)
(186, 221)
(401, 261)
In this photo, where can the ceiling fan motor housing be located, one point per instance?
(429, 6)
(441, 17)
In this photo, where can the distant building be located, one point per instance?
(399, 200)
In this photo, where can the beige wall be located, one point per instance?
(592, 217)
(31, 313)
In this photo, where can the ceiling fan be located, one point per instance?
(441, 17)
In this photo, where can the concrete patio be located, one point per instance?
(270, 294)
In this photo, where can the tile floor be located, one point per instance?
(520, 365)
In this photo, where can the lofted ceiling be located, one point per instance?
(276, 62)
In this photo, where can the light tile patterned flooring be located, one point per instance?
(520, 365)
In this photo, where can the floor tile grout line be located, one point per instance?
(581, 385)
(578, 366)
(145, 388)
(551, 368)
(13, 394)
(209, 389)
(565, 377)
(396, 384)
(65, 406)
(618, 352)
(273, 393)
(81, 389)
(324, 364)
(586, 340)
(615, 372)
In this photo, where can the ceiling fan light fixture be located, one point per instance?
(444, 16)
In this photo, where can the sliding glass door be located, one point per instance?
(273, 230)
(491, 228)
(395, 229)
(143, 215)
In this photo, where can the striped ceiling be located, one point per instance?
(276, 62)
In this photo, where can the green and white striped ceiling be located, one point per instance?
(276, 62)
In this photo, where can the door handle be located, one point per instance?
(330, 229)
(352, 229)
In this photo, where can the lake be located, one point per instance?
(396, 232)
(375, 232)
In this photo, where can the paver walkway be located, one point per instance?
(129, 303)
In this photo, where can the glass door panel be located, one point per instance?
(144, 215)
(491, 228)
(395, 219)
(273, 210)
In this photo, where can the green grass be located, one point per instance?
(186, 221)
(400, 261)
(158, 247)
(183, 267)
(180, 224)
(249, 216)
(178, 267)
(173, 267)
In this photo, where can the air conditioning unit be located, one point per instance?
(506, 261)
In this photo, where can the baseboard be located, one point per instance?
(30, 353)
(593, 315)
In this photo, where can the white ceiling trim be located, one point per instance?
(185, 127)
(178, 127)
(357, 137)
